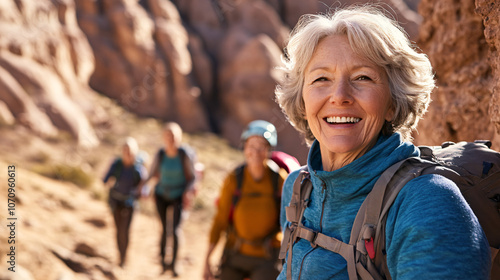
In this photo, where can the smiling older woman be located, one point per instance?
(356, 88)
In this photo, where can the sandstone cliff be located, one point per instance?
(45, 64)
(209, 65)
(461, 41)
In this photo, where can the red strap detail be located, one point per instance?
(369, 248)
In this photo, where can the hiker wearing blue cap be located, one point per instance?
(248, 210)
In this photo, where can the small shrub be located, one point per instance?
(68, 173)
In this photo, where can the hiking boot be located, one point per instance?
(165, 266)
(176, 270)
(122, 263)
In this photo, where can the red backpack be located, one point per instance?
(285, 161)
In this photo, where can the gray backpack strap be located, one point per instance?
(302, 188)
(347, 251)
(369, 225)
(365, 227)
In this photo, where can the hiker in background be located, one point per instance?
(356, 88)
(248, 211)
(127, 172)
(173, 169)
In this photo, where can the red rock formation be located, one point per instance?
(452, 34)
(232, 32)
(410, 20)
(489, 10)
(143, 60)
(205, 64)
(45, 62)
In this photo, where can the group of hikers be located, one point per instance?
(172, 169)
(355, 87)
(255, 185)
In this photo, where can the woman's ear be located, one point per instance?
(389, 115)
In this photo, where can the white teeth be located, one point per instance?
(342, 120)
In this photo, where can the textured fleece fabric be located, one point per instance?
(431, 231)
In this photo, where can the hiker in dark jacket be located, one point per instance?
(248, 211)
(127, 172)
(173, 169)
(356, 88)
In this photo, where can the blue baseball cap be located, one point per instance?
(263, 129)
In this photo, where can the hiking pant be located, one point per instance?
(238, 267)
(122, 214)
(161, 205)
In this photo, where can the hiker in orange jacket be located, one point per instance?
(248, 211)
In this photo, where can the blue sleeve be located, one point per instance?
(431, 233)
(286, 195)
(111, 171)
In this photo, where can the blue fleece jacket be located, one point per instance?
(431, 231)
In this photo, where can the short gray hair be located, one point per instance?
(132, 145)
(371, 34)
(176, 131)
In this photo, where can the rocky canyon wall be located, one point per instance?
(211, 65)
(461, 39)
(45, 64)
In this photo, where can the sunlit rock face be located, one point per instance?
(45, 65)
(143, 59)
(490, 14)
(213, 65)
(460, 39)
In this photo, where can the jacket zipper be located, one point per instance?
(323, 191)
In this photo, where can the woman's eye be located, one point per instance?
(320, 79)
(363, 78)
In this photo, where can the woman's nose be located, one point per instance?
(341, 92)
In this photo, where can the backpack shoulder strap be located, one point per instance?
(117, 168)
(239, 172)
(368, 231)
(299, 201)
(137, 174)
(187, 165)
(159, 155)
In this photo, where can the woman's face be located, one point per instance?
(168, 139)
(347, 98)
(256, 150)
(127, 157)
